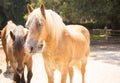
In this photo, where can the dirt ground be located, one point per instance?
(103, 67)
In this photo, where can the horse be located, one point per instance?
(65, 46)
(10, 26)
(13, 38)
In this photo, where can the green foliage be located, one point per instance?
(13, 10)
(93, 13)
(104, 12)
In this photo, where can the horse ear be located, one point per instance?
(12, 35)
(30, 8)
(42, 8)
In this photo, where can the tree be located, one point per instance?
(95, 12)
(103, 11)
(13, 10)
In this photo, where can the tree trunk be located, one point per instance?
(115, 25)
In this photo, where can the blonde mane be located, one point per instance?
(55, 25)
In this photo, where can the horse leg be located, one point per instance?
(64, 74)
(29, 68)
(8, 69)
(16, 78)
(19, 79)
(81, 67)
(13, 65)
(22, 79)
(7, 61)
(50, 74)
(29, 76)
(71, 74)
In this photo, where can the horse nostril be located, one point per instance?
(31, 49)
(20, 70)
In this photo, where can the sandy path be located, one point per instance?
(100, 69)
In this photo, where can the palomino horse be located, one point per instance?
(65, 46)
(13, 39)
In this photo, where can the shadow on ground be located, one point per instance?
(106, 53)
(0, 71)
(8, 73)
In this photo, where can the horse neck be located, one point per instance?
(53, 43)
(54, 34)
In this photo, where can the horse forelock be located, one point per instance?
(33, 18)
(19, 37)
(18, 43)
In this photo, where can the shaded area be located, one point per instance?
(109, 53)
(8, 75)
(12, 10)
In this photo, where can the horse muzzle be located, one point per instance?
(20, 70)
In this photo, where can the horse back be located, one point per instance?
(10, 26)
(80, 29)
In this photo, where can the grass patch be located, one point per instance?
(97, 37)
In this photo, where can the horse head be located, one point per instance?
(18, 36)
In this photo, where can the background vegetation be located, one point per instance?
(91, 13)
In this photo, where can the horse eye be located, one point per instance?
(39, 25)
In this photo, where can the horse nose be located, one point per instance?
(20, 70)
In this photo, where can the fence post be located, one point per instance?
(106, 32)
